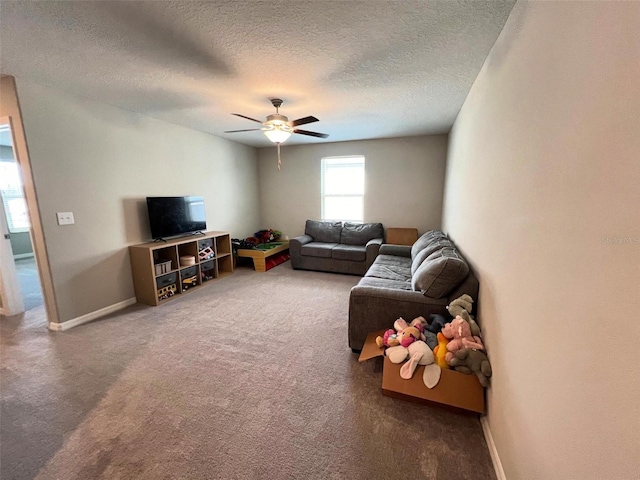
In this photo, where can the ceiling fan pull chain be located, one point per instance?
(279, 161)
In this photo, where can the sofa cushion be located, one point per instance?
(435, 245)
(357, 253)
(425, 240)
(389, 272)
(393, 260)
(360, 233)
(440, 273)
(323, 231)
(384, 283)
(318, 249)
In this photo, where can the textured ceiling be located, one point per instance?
(366, 69)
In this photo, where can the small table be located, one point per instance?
(402, 236)
(262, 252)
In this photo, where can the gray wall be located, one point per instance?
(404, 182)
(542, 196)
(100, 163)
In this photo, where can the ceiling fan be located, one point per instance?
(278, 128)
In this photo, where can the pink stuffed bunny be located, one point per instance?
(459, 334)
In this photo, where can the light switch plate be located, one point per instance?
(65, 218)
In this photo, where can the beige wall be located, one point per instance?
(543, 196)
(100, 163)
(404, 181)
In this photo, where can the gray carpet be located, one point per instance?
(29, 282)
(250, 378)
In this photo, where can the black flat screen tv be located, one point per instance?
(171, 216)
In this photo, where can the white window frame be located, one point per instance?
(14, 191)
(347, 160)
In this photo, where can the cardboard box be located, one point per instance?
(455, 389)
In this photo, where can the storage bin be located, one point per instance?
(189, 277)
(163, 267)
(168, 279)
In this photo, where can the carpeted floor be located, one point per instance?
(29, 282)
(250, 378)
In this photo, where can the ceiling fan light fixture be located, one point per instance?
(277, 134)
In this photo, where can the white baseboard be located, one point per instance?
(495, 458)
(74, 322)
(22, 255)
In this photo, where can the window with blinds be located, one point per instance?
(343, 188)
(12, 192)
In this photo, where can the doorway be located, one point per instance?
(22, 289)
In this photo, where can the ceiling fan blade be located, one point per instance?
(311, 134)
(302, 121)
(246, 130)
(248, 118)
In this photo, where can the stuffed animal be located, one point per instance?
(389, 339)
(437, 322)
(410, 335)
(459, 334)
(471, 361)
(462, 306)
(441, 350)
(464, 302)
(401, 325)
(392, 338)
(421, 354)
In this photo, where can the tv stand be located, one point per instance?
(158, 275)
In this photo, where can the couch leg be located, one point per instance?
(355, 350)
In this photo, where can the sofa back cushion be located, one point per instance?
(435, 245)
(360, 233)
(425, 240)
(440, 273)
(323, 231)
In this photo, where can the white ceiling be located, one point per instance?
(366, 69)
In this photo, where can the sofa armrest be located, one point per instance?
(296, 243)
(397, 250)
(374, 308)
(373, 247)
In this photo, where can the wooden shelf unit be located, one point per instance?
(180, 279)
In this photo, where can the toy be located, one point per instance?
(400, 324)
(268, 235)
(419, 354)
(441, 350)
(397, 354)
(389, 339)
(418, 323)
(464, 302)
(470, 361)
(392, 338)
(459, 334)
(437, 322)
(410, 335)
(462, 306)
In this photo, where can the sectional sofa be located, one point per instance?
(408, 282)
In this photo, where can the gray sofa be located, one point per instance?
(408, 282)
(333, 247)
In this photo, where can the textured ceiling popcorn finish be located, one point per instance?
(366, 69)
